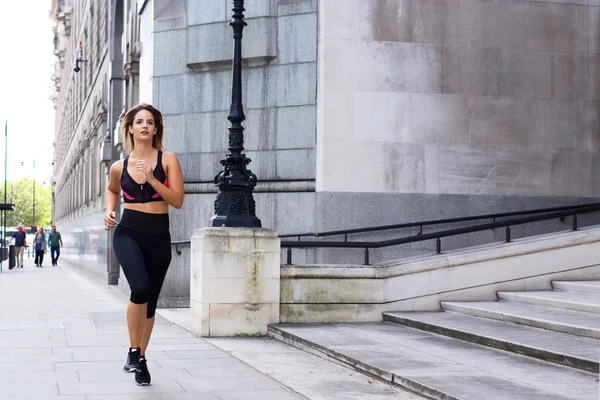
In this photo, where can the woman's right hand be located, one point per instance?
(109, 220)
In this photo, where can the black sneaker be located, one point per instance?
(142, 377)
(133, 360)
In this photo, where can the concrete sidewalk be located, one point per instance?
(64, 336)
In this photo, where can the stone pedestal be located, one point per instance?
(234, 281)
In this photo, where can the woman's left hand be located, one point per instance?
(146, 168)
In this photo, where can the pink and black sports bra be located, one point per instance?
(134, 192)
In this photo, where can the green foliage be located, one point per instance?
(20, 192)
(247, 335)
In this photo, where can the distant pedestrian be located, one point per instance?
(20, 241)
(150, 181)
(55, 243)
(40, 245)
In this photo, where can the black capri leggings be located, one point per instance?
(142, 244)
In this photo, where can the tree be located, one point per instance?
(20, 193)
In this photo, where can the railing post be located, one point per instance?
(366, 256)
(345, 237)
(289, 256)
(508, 234)
(438, 246)
(574, 222)
(420, 230)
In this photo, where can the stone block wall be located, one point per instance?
(468, 97)
(187, 51)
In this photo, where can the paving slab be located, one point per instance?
(440, 367)
(71, 339)
(561, 348)
(566, 300)
(555, 319)
(308, 374)
(577, 286)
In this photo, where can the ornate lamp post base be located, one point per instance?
(235, 207)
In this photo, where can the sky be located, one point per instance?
(26, 64)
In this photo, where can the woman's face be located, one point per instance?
(40, 230)
(144, 126)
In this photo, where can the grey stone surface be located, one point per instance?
(592, 287)
(525, 74)
(211, 43)
(561, 348)
(567, 321)
(489, 20)
(526, 71)
(169, 15)
(431, 364)
(562, 27)
(406, 59)
(470, 70)
(204, 13)
(168, 94)
(295, 164)
(207, 91)
(411, 118)
(289, 7)
(565, 300)
(260, 8)
(169, 52)
(575, 76)
(293, 85)
(297, 38)
(87, 362)
(175, 133)
(296, 127)
(412, 21)
(260, 129)
(308, 375)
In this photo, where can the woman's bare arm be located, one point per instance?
(112, 193)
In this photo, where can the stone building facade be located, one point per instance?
(81, 104)
(359, 113)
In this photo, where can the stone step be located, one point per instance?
(592, 287)
(555, 319)
(561, 348)
(439, 367)
(566, 300)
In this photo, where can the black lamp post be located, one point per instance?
(234, 205)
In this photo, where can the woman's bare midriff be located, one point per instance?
(155, 207)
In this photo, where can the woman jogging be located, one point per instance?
(150, 181)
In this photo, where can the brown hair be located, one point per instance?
(157, 140)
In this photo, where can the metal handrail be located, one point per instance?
(436, 222)
(178, 243)
(289, 244)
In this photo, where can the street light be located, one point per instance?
(234, 205)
